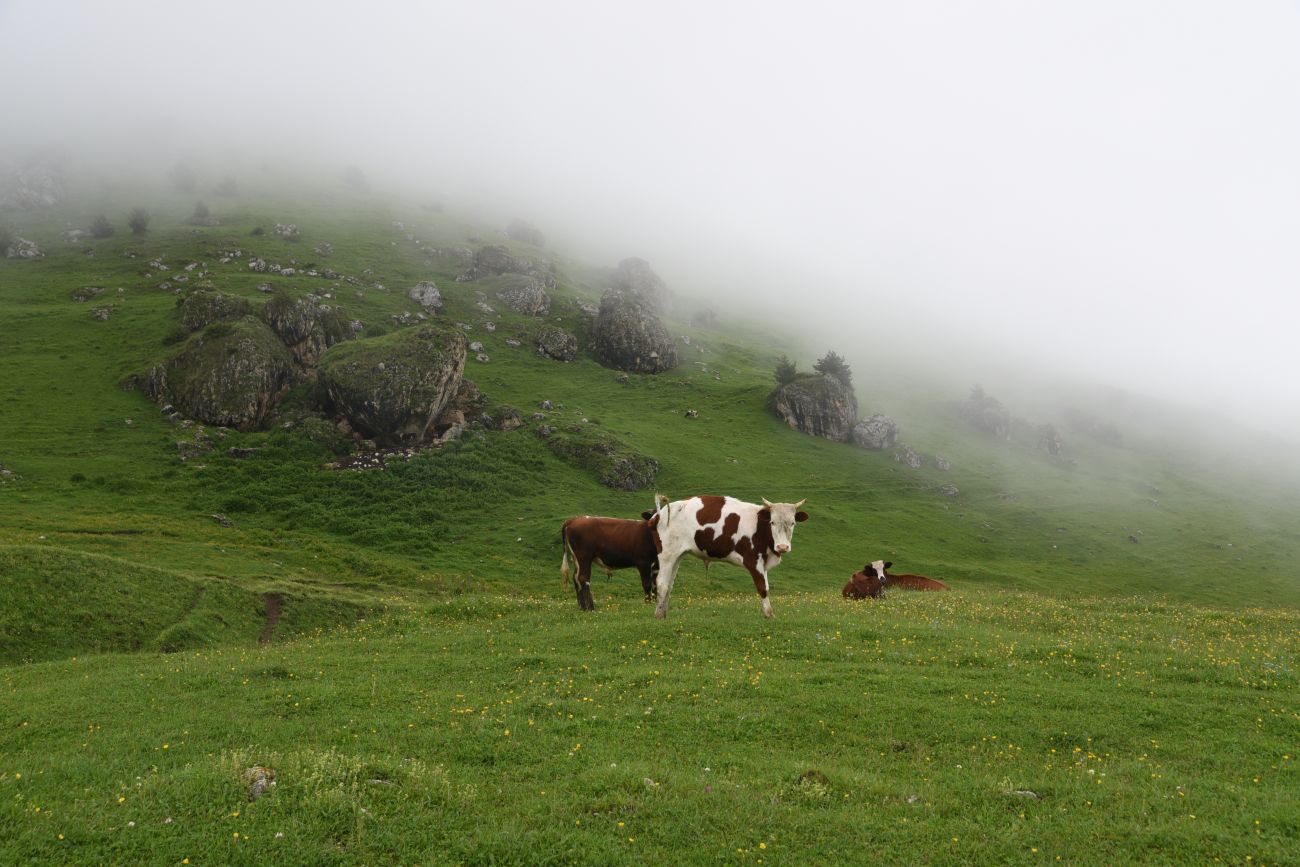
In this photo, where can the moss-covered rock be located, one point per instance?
(820, 406)
(307, 327)
(201, 308)
(616, 463)
(393, 387)
(230, 374)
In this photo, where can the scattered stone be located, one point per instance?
(949, 490)
(102, 313)
(259, 780)
(908, 456)
(692, 413)
(546, 404)
(942, 463)
(237, 452)
(523, 294)
(489, 327)
(510, 341)
(324, 248)
(222, 520)
(86, 293)
(482, 358)
(287, 231)
(476, 346)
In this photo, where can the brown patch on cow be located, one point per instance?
(719, 545)
(710, 510)
(915, 582)
(863, 586)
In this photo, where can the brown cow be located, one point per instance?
(868, 583)
(874, 580)
(611, 543)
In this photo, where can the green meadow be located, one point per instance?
(1112, 680)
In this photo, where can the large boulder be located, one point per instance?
(557, 344)
(877, 432)
(820, 406)
(636, 276)
(522, 293)
(616, 463)
(35, 185)
(426, 294)
(628, 335)
(229, 374)
(986, 413)
(21, 248)
(493, 260)
(306, 326)
(393, 387)
(201, 308)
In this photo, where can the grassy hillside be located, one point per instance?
(1079, 695)
(958, 728)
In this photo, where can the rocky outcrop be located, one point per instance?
(1048, 439)
(614, 462)
(636, 276)
(523, 294)
(307, 327)
(627, 335)
(557, 344)
(877, 432)
(21, 248)
(393, 387)
(426, 294)
(493, 260)
(201, 308)
(229, 374)
(820, 406)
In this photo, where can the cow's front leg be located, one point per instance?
(760, 584)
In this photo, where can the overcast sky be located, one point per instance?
(1109, 186)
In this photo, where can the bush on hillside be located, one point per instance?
(138, 221)
(101, 227)
(786, 371)
(832, 364)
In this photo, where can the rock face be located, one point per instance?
(426, 294)
(201, 308)
(36, 185)
(230, 374)
(557, 344)
(1048, 439)
(628, 336)
(306, 327)
(986, 413)
(820, 406)
(877, 432)
(908, 457)
(636, 276)
(614, 462)
(393, 387)
(523, 294)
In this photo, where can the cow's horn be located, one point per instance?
(801, 502)
(766, 503)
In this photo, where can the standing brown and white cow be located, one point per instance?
(611, 543)
(723, 528)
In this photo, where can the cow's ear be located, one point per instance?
(870, 570)
(647, 515)
(889, 565)
(800, 517)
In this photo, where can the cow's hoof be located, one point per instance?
(660, 614)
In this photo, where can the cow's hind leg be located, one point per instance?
(647, 582)
(667, 575)
(582, 584)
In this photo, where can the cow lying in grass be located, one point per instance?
(611, 543)
(723, 528)
(873, 580)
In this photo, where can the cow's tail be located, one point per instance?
(564, 560)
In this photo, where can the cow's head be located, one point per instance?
(783, 518)
(875, 572)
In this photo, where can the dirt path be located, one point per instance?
(273, 602)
